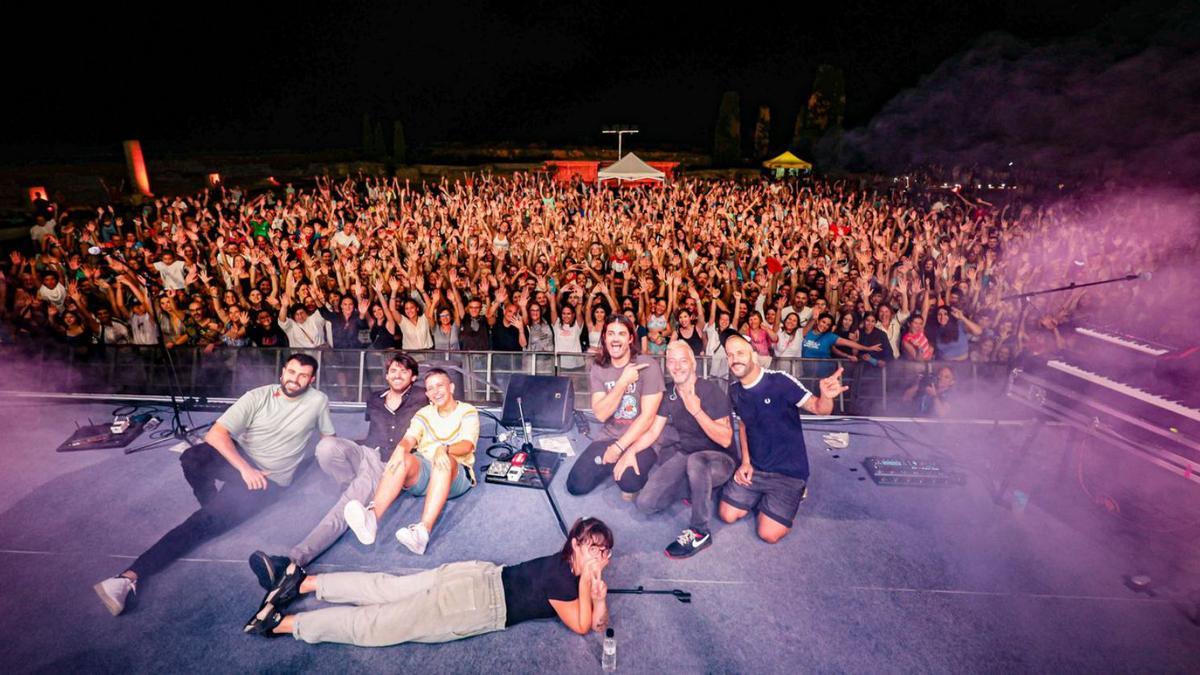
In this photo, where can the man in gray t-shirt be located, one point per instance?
(627, 388)
(261, 439)
(274, 429)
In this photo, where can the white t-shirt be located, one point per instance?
(38, 233)
(343, 240)
(805, 314)
(416, 335)
(307, 335)
(115, 333)
(719, 364)
(172, 275)
(56, 296)
(143, 329)
(790, 346)
(566, 340)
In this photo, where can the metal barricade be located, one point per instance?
(348, 376)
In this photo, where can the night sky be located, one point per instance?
(295, 78)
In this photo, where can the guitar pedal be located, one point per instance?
(517, 469)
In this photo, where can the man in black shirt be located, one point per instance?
(356, 467)
(695, 456)
(508, 333)
(474, 331)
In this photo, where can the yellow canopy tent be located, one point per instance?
(787, 164)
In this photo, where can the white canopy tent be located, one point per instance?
(631, 169)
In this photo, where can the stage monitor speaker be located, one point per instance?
(548, 400)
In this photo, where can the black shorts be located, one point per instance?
(775, 495)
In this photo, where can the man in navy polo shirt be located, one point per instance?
(774, 467)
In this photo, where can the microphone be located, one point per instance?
(1144, 276)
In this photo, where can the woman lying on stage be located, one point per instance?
(454, 601)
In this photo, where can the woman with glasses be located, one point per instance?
(451, 602)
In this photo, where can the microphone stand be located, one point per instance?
(1072, 286)
(531, 453)
(682, 596)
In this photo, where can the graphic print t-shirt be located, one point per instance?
(650, 381)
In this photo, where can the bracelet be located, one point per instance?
(616, 443)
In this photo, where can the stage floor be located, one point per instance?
(872, 579)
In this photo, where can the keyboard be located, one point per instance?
(1142, 395)
(1152, 426)
(1124, 341)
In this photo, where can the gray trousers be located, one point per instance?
(356, 469)
(693, 475)
(454, 601)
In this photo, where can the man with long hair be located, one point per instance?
(627, 388)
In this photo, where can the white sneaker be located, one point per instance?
(361, 521)
(414, 537)
(114, 591)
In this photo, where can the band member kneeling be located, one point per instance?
(774, 471)
(435, 459)
(451, 602)
(695, 455)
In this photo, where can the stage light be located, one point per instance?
(36, 193)
(214, 179)
(137, 168)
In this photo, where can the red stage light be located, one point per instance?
(137, 168)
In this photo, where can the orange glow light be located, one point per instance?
(137, 168)
(214, 179)
(36, 193)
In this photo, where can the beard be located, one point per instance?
(293, 390)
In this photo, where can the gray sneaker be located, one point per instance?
(361, 521)
(114, 591)
(414, 537)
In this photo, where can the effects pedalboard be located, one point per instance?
(914, 472)
(519, 471)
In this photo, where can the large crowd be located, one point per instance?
(807, 268)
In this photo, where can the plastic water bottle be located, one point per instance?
(609, 660)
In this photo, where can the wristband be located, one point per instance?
(618, 444)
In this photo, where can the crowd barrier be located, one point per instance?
(348, 376)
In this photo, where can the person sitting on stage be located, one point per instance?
(452, 602)
(774, 470)
(357, 467)
(443, 435)
(627, 388)
(702, 460)
(259, 441)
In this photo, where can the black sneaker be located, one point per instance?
(287, 589)
(264, 621)
(268, 568)
(689, 543)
